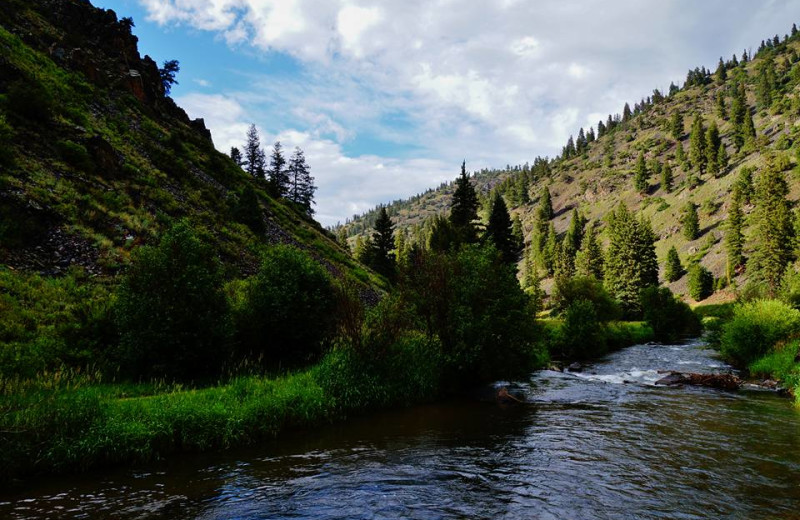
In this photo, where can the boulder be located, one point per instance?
(575, 367)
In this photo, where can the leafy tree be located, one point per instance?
(697, 145)
(464, 208)
(247, 210)
(673, 270)
(734, 238)
(170, 309)
(383, 244)
(701, 282)
(301, 183)
(690, 221)
(669, 317)
(774, 227)
(712, 144)
(278, 173)
(167, 74)
(676, 125)
(630, 263)
(641, 175)
(285, 311)
(236, 156)
(569, 290)
(666, 178)
(498, 230)
(545, 211)
(254, 156)
(589, 260)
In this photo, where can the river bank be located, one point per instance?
(72, 422)
(604, 443)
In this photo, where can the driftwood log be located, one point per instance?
(720, 381)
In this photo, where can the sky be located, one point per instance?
(387, 98)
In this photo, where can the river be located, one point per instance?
(605, 443)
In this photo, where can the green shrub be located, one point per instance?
(76, 155)
(570, 290)
(6, 137)
(669, 317)
(30, 100)
(779, 364)
(755, 328)
(287, 308)
(246, 209)
(701, 282)
(171, 311)
(581, 335)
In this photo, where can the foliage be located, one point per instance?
(498, 230)
(581, 335)
(285, 311)
(701, 282)
(669, 317)
(30, 100)
(673, 270)
(690, 221)
(775, 227)
(464, 208)
(171, 311)
(571, 290)
(755, 328)
(167, 73)
(382, 259)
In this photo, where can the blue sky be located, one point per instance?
(386, 98)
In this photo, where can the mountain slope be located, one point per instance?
(601, 175)
(97, 160)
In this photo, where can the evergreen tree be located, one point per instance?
(721, 74)
(464, 207)
(630, 264)
(382, 259)
(517, 233)
(301, 183)
(673, 270)
(744, 185)
(666, 178)
(278, 173)
(712, 144)
(697, 145)
(550, 250)
(734, 238)
(676, 125)
(545, 212)
(722, 158)
(722, 112)
(341, 239)
(690, 221)
(589, 260)
(236, 156)
(701, 282)
(748, 130)
(247, 210)
(254, 155)
(775, 231)
(167, 74)
(498, 230)
(575, 230)
(680, 155)
(739, 110)
(626, 113)
(641, 175)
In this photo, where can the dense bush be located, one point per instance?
(30, 100)
(570, 290)
(581, 335)
(755, 328)
(287, 308)
(701, 282)
(472, 301)
(669, 317)
(75, 155)
(171, 311)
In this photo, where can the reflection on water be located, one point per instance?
(604, 443)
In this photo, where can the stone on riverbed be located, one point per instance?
(575, 367)
(719, 381)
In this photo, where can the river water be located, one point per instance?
(605, 443)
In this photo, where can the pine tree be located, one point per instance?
(247, 210)
(545, 211)
(734, 238)
(550, 250)
(712, 144)
(697, 145)
(301, 183)
(236, 156)
(722, 112)
(676, 125)
(589, 260)
(721, 74)
(666, 178)
(517, 233)
(641, 175)
(630, 264)
(673, 270)
(278, 173)
(748, 130)
(498, 230)
(680, 155)
(775, 231)
(690, 221)
(382, 259)
(626, 113)
(464, 207)
(739, 110)
(254, 155)
(722, 158)
(341, 238)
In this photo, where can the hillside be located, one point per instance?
(596, 174)
(98, 160)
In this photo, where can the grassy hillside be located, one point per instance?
(601, 176)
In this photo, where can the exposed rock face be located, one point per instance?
(719, 381)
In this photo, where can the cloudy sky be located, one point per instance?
(386, 98)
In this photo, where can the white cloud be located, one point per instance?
(496, 82)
